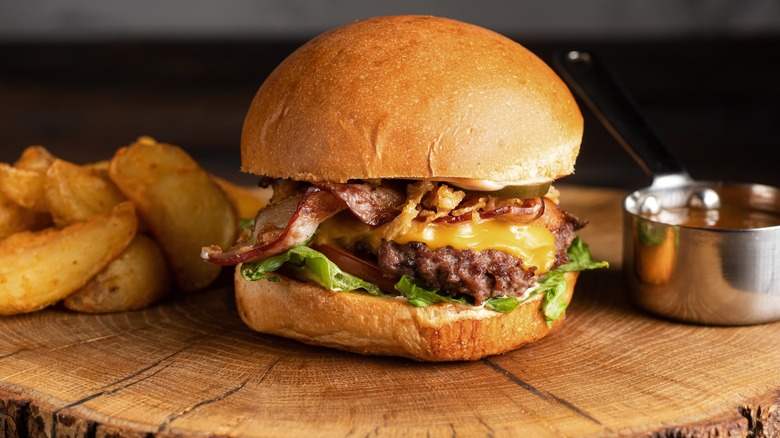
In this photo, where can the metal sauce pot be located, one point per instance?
(703, 252)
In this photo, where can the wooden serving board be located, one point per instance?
(190, 367)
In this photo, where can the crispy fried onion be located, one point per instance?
(521, 210)
(443, 204)
(294, 220)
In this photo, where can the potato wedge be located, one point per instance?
(247, 202)
(24, 187)
(36, 158)
(74, 193)
(134, 280)
(24, 178)
(181, 205)
(40, 268)
(15, 218)
(101, 167)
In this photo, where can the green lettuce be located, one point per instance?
(580, 258)
(311, 265)
(553, 284)
(246, 224)
(418, 296)
(502, 304)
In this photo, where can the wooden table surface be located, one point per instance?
(190, 367)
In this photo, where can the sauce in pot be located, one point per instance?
(727, 216)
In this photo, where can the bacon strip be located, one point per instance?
(373, 205)
(278, 227)
(294, 220)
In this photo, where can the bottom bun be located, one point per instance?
(389, 326)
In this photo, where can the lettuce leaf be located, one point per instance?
(553, 284)
(417, 295)
(246, 224)
(580, 258)
(502, 304)
(311, 265)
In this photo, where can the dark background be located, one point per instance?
(710, 86)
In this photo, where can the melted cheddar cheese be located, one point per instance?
(534, 244)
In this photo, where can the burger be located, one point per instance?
(411, 161)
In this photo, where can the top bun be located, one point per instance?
(412, 97)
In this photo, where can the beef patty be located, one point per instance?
(479, 274)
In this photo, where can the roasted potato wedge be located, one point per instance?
(15, 218)
(181, 205)
(24, 187)
(134, 280)
(40, 268)
(36, 158)
(74, 193)
(101, 167)
(247, 202)
(22, 183)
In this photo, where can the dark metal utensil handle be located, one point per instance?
(589, 79)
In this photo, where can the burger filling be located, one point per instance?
(425, 240)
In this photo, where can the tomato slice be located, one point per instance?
(358, 267)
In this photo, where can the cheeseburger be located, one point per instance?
(412, 215)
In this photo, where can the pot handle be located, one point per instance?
(597, 87)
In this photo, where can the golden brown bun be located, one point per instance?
(367, 324)
(412, 97)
